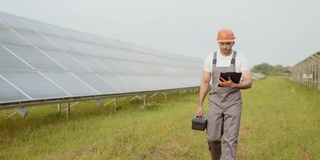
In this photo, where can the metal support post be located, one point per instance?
(144, 99)
(153, 95)
(70, 106)
(68, 109)
(165, 95)
(115, 104)
(98, 101)
(59, 107)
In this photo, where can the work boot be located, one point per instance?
(215, 149)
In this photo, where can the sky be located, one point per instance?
(277, 32)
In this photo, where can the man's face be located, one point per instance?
(225, 47)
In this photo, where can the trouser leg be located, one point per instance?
(215, 149)
(230, 135)
(214, 130)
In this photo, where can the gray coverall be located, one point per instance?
(224, 113)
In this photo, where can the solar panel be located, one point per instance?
(9, 93)
(33, 84)
(40, 62)
(9, 60)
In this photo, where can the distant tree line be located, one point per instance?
(270, 70)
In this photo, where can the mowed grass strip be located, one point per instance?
(99, 133)
(280, 120)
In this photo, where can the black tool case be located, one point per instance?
(199, 123)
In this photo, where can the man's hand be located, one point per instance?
(226, 83)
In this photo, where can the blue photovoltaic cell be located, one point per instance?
(10, 61)
(34, 84)
(90, 49)
(91, 63)
(39, 27)
(13, 21)
(35, 58)
(9, 93)
(135, 82)
(38, 40)
(118, 53)
(129, 69)
(64, 45)
(113, 66)
(143, 57)
(98, 83)
(70, 83)
(68, 61)
(121, 84)
(7, 36)
(149, 81)
(109, 43)
(142, 68)
(64, 33)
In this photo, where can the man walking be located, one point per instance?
(225, 101)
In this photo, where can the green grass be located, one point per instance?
(280, 120)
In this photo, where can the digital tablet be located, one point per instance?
(235, 76)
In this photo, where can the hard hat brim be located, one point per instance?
(225, 40)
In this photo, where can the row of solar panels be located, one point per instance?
(307, 71)
(257, 76)
(40, 62)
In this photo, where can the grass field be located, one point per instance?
(280, 121)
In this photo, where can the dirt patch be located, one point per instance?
(75, 153)
(306, 154)
(161, 152)
(245, 130)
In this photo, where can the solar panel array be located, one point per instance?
(39, 61)
(307, 71)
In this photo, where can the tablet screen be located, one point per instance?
(235, 76)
